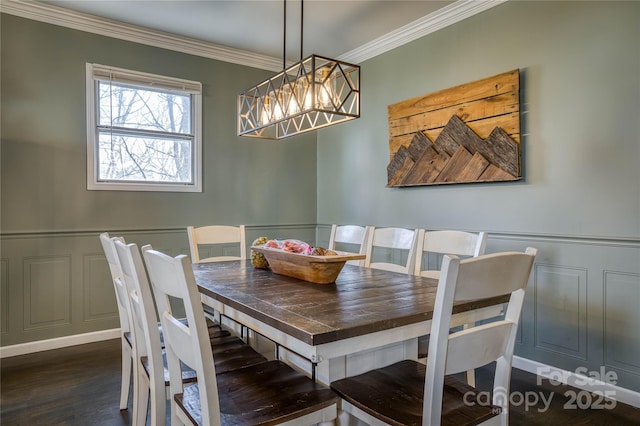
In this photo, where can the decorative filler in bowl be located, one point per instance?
(257, 259)
(297, 259)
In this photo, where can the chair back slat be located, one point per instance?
(350, 234)
(459, 243)
(396, 239)
(110, 254)
(163, 276)
(121, 297)
(453, 242)
(498, 274)
(137, 315)
(213, 235)
(182, 341)
(488, 342)
(391, 267)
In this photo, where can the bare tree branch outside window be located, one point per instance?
(144, 134)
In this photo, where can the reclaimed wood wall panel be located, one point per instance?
(468, 133)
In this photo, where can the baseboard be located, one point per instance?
(57, 343)
(588, 383)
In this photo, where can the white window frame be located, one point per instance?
(96, 72)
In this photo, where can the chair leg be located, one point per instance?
(142, 399)
(471, 374)
(175, 419)
(212, 315)
(127, 362)
(471, 378)
(158, 401)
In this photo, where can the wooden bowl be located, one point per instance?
(315, 269)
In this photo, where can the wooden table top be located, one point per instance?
(361, 301)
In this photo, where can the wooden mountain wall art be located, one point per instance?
(468, 133)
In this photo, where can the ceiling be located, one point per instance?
(331, 27)
(251, 32)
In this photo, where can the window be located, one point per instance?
(143, 131)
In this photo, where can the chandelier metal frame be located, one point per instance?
(313, 93)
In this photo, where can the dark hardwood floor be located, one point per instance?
(80, 385)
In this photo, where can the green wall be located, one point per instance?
(44, 142)
(579, 201)
(580, 103)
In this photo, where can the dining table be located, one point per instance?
(367, 318)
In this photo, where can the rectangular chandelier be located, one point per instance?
(313, 93)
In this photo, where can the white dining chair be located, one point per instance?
(350, 236)
(222, 236)
(153, 377)
(394, 243)
(267, 393)
(124, 312)
(146, 338)
(439, 243)
(430, 394)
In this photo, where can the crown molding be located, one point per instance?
(90, 23)
(449, 15)
(441, 18)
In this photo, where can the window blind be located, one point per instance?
(119, 75)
